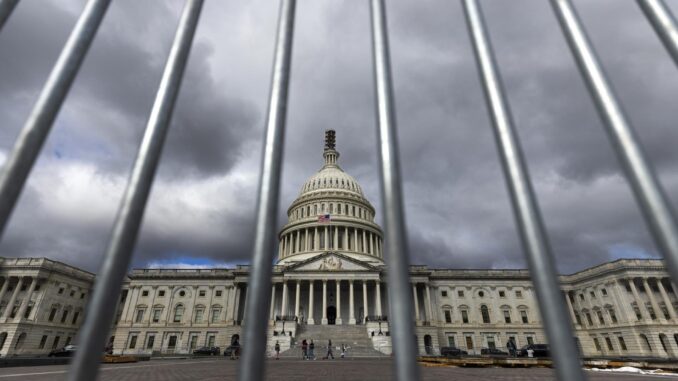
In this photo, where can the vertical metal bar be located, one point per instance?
(648, 192)
(35, 131)
(259, 283)
(102, 305)
(404, 345)
(664, 24)
(526, 210)
(6, 8)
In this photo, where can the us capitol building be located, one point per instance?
(329, 282)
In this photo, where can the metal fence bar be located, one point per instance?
(37, 127)
(400, 297)
(104, 300)
(6, 8)
(648, 192)
(259, 282)
(526, 210)
(664, 23)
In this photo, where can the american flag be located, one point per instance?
(324, 218)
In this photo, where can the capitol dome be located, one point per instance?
(331, 214)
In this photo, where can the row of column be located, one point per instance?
(21, 281)
(428, 310)
(324, 320)
(619, 295)
(342, 237)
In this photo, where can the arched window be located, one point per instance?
(215, 313)
(664, 342)
(178, 313)
(485, 313)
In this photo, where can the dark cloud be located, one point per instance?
(458, 210)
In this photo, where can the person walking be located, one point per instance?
(235, 349)
(329, 350)
(511, 346)
(277, 350)
(343, 350)
(304, 350)
(311, 349)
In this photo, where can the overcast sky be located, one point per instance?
(201, 208)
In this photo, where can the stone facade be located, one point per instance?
(41, 304)
(330, 281)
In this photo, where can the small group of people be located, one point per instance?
(308, 350)
(512, 348)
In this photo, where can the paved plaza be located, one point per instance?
(291, 370)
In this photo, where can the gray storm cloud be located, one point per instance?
(202, 204)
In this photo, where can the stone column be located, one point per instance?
(667, 301)
(310, 302)
(364, 248)
(338, 321)
(416, 302)
(327, 238)
(345, 244)
(298, 244)
(351, 306)
(283, 307)
(335, 238)
(639, 302)
(377, 286)
(655, 306)
(624, 304)
(307, 242)
(429, 311)
(365, 308)
(324, 319)
(5, 284)
(236, 303)
(569, 307)
(355, 239)
(12, 299)
(271, 314)
(296, 299)
(27, 300)
(246, 290)
(372, 244)
(316, 240)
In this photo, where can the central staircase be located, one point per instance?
(353, 336)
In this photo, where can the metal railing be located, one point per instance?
(648, 192)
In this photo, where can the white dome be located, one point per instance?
(331, 177)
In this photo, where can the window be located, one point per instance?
(600, 317)
(156, 315)
(646, 342)
(178, 314)
(604, 291)
(653, 315)
(55, 343)
(172, 343)
(37, 287)
(68, 341)
(82, 295)
(577, 318)
(448, 316)
(469, 342)
(150, 341)
(61, 291)
(507, 316)
(464, 317)
(451, 341)
(581, 296)
(588, 319)
(132, 342)
(530, 340)
(144, 293)
(140, 316)
(485, 313)
(64, 316)
(218, 293)
(665, 311)
(52, 313)
(161, 293)
(608, 341)
(613, 316)
(519, 294)
(182, 293)
(481, 294)
(14, 311)
(199, 312)
(75, 318)
(210, 341)
(523, 316)
(43, 341)
(443, 293)
(201, 293)
(639, 316)
(216, 312)
(72, 294)
(502, 294)
(194, 342)
(593, 294)
(597, 344)
(622, 343)
(28, 311)
(460, 293)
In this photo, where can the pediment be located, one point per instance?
(332, 262)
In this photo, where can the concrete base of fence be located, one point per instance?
(118, 359)
(513, 362)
